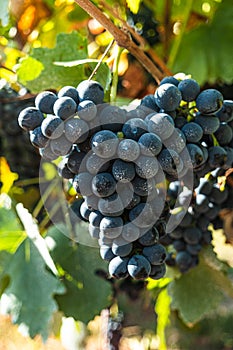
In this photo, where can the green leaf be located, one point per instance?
(38, 71)
(86, 294)
(162, 309)
(25, 74)
(11, 231)
(198, 292)
(103, 74)
(29, 297)
(206, 51)
(133, 5)
(5, 258)
(4, 13)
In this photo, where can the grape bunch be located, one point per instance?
(14, 143)
(192, 233)
(144, 24)
(119, 161)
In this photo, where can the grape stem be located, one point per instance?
(101, 60)
(122, 38)
(143, 44)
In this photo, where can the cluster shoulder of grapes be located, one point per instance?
(119, 161)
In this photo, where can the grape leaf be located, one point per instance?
(4, 13)
(11, 231)
(29, 296)
(205, 52)
(5, 258)
(103, 74)
(86, 294)
(38, 71)
(133, 5)
(198, 292)
(65, 64)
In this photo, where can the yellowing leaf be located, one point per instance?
(133, 5)
(7, 177)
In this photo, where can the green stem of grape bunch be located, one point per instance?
(113, 93)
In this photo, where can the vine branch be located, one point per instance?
(143, 44)
(122, 38)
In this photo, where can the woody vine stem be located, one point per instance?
(122, 38)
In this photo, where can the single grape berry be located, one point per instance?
(90, 90)
(82, 183)
(45, 101)
(134, 128)
(128, 150)
(111, 226)
(37, 138)
(111, 205)
(209, 124)
(148, 101)
(30, 118)
(146, 167)
(150, 144)
(104, 144)
(224, 134)
(157, 271)
(106, 253)
(149, 238)
(118, 267)
(189, 89)
(121, 247)
(103, 185)
(52, 127)
(69, 91)
(170, 161)
(169, 80)
(209, 101)
(193, 132)
(61, 146)
(130, 232)
(76, 130)
(139, 267)
(162, 125)
(225, 114)
(75, 161)
(156, 254)
(64, 107)
(217, 156)
(123, 171)
(87, 110)
(168, 97)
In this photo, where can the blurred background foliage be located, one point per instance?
(189, 36)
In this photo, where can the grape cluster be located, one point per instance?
(14, 143)
(144, 24)
(120, 159)
(193, 232)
